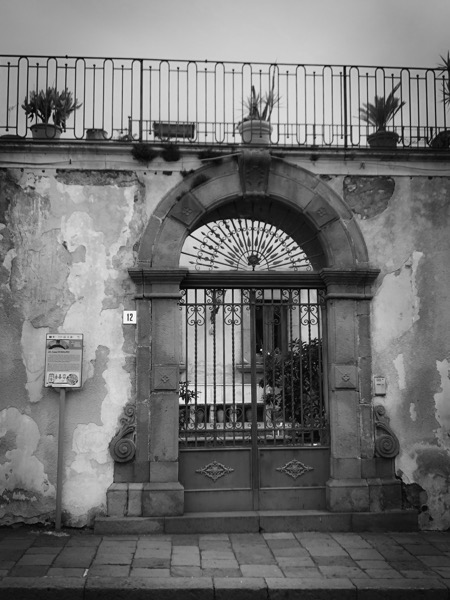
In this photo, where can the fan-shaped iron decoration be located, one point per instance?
(243, 245)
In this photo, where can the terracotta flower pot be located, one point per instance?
(383, 139)
(255, 132)
(45, 131)
(96, 134)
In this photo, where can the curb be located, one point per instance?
(218, 588)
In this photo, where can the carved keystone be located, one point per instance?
(254, 167)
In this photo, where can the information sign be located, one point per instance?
(63, 360)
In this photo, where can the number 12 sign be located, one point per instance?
(129, 317)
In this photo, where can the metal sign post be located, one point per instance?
(63, 367)
(60, 465)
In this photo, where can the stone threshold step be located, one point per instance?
(260, 522)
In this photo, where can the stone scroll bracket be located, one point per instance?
(387, 444)
(123, 445)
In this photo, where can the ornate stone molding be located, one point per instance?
(165, 378)
(349, 284)
(157, 283)
(352, 277)
(386, 442)
(345, 377)
(123, 445)
(187, 210)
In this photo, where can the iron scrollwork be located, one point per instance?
(244, 244)
(386, 442)
(214, 470)
(123, 445)
(294, 468)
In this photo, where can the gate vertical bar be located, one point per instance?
(253, 383)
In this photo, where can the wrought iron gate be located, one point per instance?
(253, 429)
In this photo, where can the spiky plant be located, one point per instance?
(382, 110)
(260, 107)
(445, 71)
(50, 104)
(66, 104)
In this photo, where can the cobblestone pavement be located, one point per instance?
(72, 564)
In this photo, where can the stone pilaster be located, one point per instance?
(356, 483)
(162, 494)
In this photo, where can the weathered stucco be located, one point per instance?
(67, 238)
(410, 242)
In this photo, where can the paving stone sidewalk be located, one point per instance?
(271, 566)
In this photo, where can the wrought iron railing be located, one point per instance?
(202, 102)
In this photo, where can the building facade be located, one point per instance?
(264, 321)
(80, 245)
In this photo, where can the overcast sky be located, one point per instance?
(363, 32)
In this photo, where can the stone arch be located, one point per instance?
(256, 182)
(295, 200)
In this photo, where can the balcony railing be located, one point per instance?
(201, 102)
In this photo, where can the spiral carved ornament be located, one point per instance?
(123, 445)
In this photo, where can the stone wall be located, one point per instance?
(68, 235)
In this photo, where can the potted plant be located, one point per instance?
(95, 134)
(186, 396)
(255, 127)
(292, 386)
(378, 114)
(46, 105)
(442, 139)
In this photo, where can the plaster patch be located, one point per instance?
(442, 401)
(400, 366)
(21, 469)
(429, 467)
(412, 412)
(90, 470)
(33, 355)
(396, 304)
(368, 196)
(85, 490)
(91, 440)
(10, 256)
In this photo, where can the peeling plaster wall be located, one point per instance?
(67, 239)
(66, 242)
(408, 238)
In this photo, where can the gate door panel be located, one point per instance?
(253, 430)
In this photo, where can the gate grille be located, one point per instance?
(252, 368)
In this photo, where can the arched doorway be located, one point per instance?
(263, 189)
(254, 431)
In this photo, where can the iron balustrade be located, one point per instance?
(201, 102)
